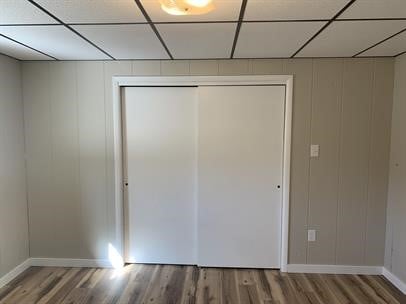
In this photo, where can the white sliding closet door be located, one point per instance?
(203, 166)
(160, 145)
(240, 167)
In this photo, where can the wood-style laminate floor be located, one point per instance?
(187, 284)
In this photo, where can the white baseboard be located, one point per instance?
(394, 280)
(8, 277)
(334, 269)
(52, 262)
(57, 262)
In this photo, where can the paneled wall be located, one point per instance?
(344, 105)
(395, 258)
(13, 199)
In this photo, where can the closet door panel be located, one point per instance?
(160, 133)
(240, 158)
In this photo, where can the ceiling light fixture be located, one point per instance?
(187, 7)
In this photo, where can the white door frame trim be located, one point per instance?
(125, 81)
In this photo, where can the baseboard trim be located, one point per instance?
(8, 277)
(52, 262)
(394, 280)
(334, 269)
(59, 262)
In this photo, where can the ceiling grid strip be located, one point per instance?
(378, 43)
(237, 30)
(9, 56)
(404, 52)
(203, 22)
(324, 27)
(153, 27)
(70, 28)
(27, 46)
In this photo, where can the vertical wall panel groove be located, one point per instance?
(92, 158)
(79, 185)
(299, 192)
(37, 119)
(340, 134)
(65, 162)
(308, 163)
(354, 159)
(379, 161)
(323, 179)
(371, 115)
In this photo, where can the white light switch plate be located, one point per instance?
(311, 235)
(314, 150)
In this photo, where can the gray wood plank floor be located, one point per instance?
(192, 285)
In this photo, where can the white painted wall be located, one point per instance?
(13, 200)
(395, 258)
(68, 125)
(66, 159)
(344, 105)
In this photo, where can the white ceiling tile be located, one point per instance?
(55, 40)
(22, 12)
(274, 39)
(199, 40)
(391, 47)
(225, 10)
(363, 9)
(347, 38)
(97, 11)
(125, 41)
(292, 9)
(19, 51)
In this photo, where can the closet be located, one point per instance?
(204, 167)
